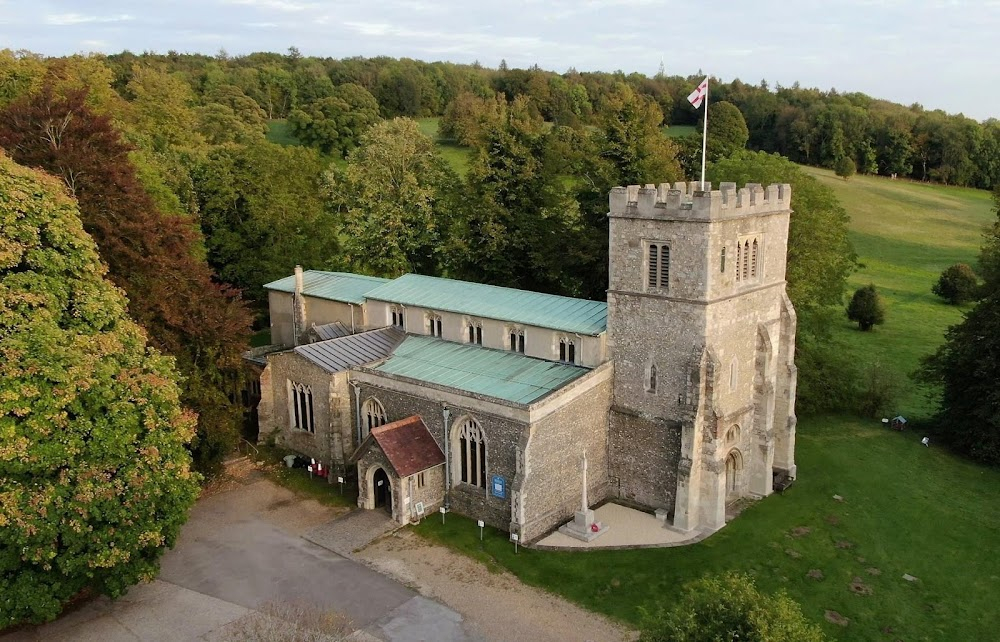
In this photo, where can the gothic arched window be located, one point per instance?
(471, 459)
(301, 407)
(372, 416)
(397, 316)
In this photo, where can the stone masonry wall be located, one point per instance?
(552, 487)
(645, 457)
(502, 437)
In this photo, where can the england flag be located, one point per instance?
(698, 95)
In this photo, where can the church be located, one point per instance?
(679, 389)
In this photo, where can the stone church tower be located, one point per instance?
(702, 335)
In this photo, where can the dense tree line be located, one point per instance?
(807, 125)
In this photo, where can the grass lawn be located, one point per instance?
(678, 131)
(905, 509)
(905, 235)
(278, 131)
(299, 481)
(456, 155)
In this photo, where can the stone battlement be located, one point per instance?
(688, 201)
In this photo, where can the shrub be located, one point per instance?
(957, 285)
(730, 608)
(866, 308)
(844, 167)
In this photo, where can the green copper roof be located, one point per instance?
(335, 286)
(493, 302)
(503, 375)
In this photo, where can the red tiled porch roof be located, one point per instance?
(408, 446)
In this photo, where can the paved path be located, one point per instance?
(240, 550)
(627, 528)
(352, 532)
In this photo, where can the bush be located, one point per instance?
(866, 308)
(957, 285)
(730, 608)
(844, 167)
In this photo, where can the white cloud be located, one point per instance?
(63, 19)
(277, 5)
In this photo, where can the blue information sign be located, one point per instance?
(499, 487)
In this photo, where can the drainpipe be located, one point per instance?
(447, 459)
(298, 307)
(357, 410)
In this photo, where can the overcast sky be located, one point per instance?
(940, 53)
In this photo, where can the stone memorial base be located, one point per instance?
(582, 527)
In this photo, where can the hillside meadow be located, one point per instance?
(905, 509)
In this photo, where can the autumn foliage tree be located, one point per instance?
(94, 474)
(155, 257)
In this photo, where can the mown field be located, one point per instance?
(906, 509)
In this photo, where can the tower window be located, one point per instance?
(753, 260)
(739, 258)
(651, 383)
(658, 266)
(722, 260)
(746, 260)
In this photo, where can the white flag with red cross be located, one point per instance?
(698, 95)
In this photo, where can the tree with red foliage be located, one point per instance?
(153, 256)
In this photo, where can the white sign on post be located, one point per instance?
(481, 523)
(340, 480)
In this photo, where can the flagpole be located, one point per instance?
(704, 140)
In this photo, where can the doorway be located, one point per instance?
(734, 467)
(383, 490)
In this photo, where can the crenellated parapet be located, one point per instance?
(689, 201)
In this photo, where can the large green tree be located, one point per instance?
(156, 257)
(521, 226)
(336, 124)
(94, 475)
(262, 214)
(394, 201)
(967, 366)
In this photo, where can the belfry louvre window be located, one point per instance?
(753, 260)
(301, 410)
(472, 453)
(746, 260)
(658, 266)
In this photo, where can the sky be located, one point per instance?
(939, 53)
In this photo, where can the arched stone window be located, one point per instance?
(434, 325)
(397, 316)
(567, 350)
(753, 260)
(734, 374)
(470, 453)
(476, 333)
(651, 380)
(733, 434)
(515, 337)
(734, 473)
(746, 260)
(372, 416)
(722, 260)
(300, 409)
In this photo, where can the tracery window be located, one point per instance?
(301, 407)
(372, 416)
(471, 458)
